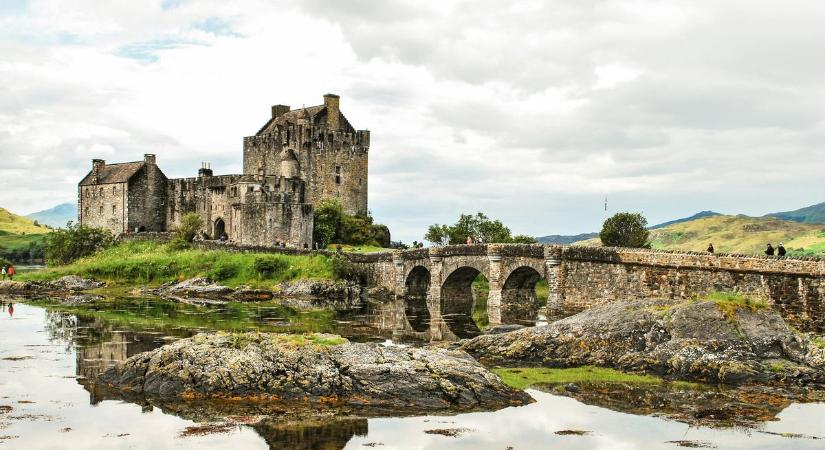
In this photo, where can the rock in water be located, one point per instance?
(694, 340)
(316, 369)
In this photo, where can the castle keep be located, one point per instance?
(297, 159)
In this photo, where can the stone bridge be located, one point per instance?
(435, 283)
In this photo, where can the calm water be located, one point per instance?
(47, 358)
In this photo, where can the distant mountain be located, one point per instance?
(809, 214)
(698, 215)
(56, 217)
(736, 234)
(562, 239)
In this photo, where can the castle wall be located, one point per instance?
(103, 206)
(147, 199)
(268, 224)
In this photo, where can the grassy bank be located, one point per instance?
(131, 263)
(524, 377)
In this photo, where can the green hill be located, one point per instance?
(737, 234)
(809, 214)
(20, 238)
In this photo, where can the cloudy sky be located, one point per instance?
(532, 111)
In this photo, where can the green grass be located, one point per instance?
(358, 248)
(819, 342)
(132, 263)
(524, 377)
(729, 302)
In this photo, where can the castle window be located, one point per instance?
(114, 209)
(86, 212)
(101, 211)
(338, 169)
(114, 189)
(337, 179)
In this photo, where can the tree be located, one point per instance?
(333, 225)
(625, 230)
(75, 241)
(190, 225)
(477, 227)
(327, 222)
(524, 239)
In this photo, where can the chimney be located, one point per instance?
(205, 170)
(279, 110)
(333, 104)
(150, 159)
(97, 164)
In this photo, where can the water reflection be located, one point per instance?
(50, 357)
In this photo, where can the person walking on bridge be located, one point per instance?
(4, 272)
(781, 250)
(10, 272)
(769, 250)
(710, 248)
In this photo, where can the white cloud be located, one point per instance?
(532, 112)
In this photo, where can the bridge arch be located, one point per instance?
(416, 293)
(519, 302)
(458, 301)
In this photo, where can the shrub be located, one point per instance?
(223, 271)
(269, 266)
(343, 269)
(190, 225)
(74, 242)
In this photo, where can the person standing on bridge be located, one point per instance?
(710, 248)
(781, 250)
(469, 240)
(769, 250)
(4, 272)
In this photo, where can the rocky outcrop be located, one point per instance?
(318, 369)
(693, 340)
(193, 288)
(67, 284)
(321, 293)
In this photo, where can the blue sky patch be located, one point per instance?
(216, 26)
(147, 51)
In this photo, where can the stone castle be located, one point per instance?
(298, 158)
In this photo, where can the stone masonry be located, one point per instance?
(296, 160)
(436, 282)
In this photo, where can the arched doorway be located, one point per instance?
(415, 304)
(519, 302)
(220, 229)
(458, 301)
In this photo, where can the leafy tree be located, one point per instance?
(327, 222)
(190, 225)
(477, 226)
(65, 245)
(332, 224)
(625, 230)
